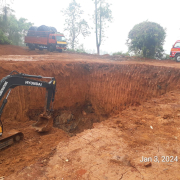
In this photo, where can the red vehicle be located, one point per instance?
(45, 40)
(175, 51)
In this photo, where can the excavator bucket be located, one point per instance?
(44, 123)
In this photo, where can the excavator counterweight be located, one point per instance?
(45, 121)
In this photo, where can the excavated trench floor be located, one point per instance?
(117, 113)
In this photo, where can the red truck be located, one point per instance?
(45, 40)
(175, 51)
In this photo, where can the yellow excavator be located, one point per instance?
(45, 121)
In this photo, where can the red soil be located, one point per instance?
(138, 99)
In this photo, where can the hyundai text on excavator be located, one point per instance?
(45, 122)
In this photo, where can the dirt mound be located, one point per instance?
(15, 50)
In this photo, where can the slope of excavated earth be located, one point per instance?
(115, 147)
(121, 110)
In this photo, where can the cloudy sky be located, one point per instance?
(126, 14)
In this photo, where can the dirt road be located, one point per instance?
(125, 111)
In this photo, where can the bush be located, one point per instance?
(79, 49)
(166, 57)
(4, 39)
(121, 53)
(76, 51)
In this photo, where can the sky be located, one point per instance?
(126, 14)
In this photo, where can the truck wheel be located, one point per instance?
(177, 58)
(60, 50)
(51, 48)
(31, 46)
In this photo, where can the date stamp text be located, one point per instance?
(159, 159)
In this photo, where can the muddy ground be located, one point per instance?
(120, 110)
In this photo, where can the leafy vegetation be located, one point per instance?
(74, 24)
(17, 29)
(12, 30)
(4, 39)
(79, 49)
(3, 24)
(121, 53)
(166, 56)
(147, 38)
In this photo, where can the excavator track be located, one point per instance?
(10, 138)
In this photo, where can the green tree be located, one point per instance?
(12, 28)
(5, 11)
(102, 15)
(147, 38)
(4, 39)
(17, 29)
(74, 24)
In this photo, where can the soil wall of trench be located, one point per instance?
(109, 87)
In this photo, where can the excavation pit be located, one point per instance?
(106, 88)
(73, 119)
(99, 101)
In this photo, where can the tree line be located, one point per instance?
(146, 38)
(12, 30)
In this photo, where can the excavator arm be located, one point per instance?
(19, 79)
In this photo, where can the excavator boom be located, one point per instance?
(44, 122)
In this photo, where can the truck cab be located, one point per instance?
(175, 51)
(59, 40)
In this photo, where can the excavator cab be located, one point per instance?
(45, 121)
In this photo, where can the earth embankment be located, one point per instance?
(109, 87)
